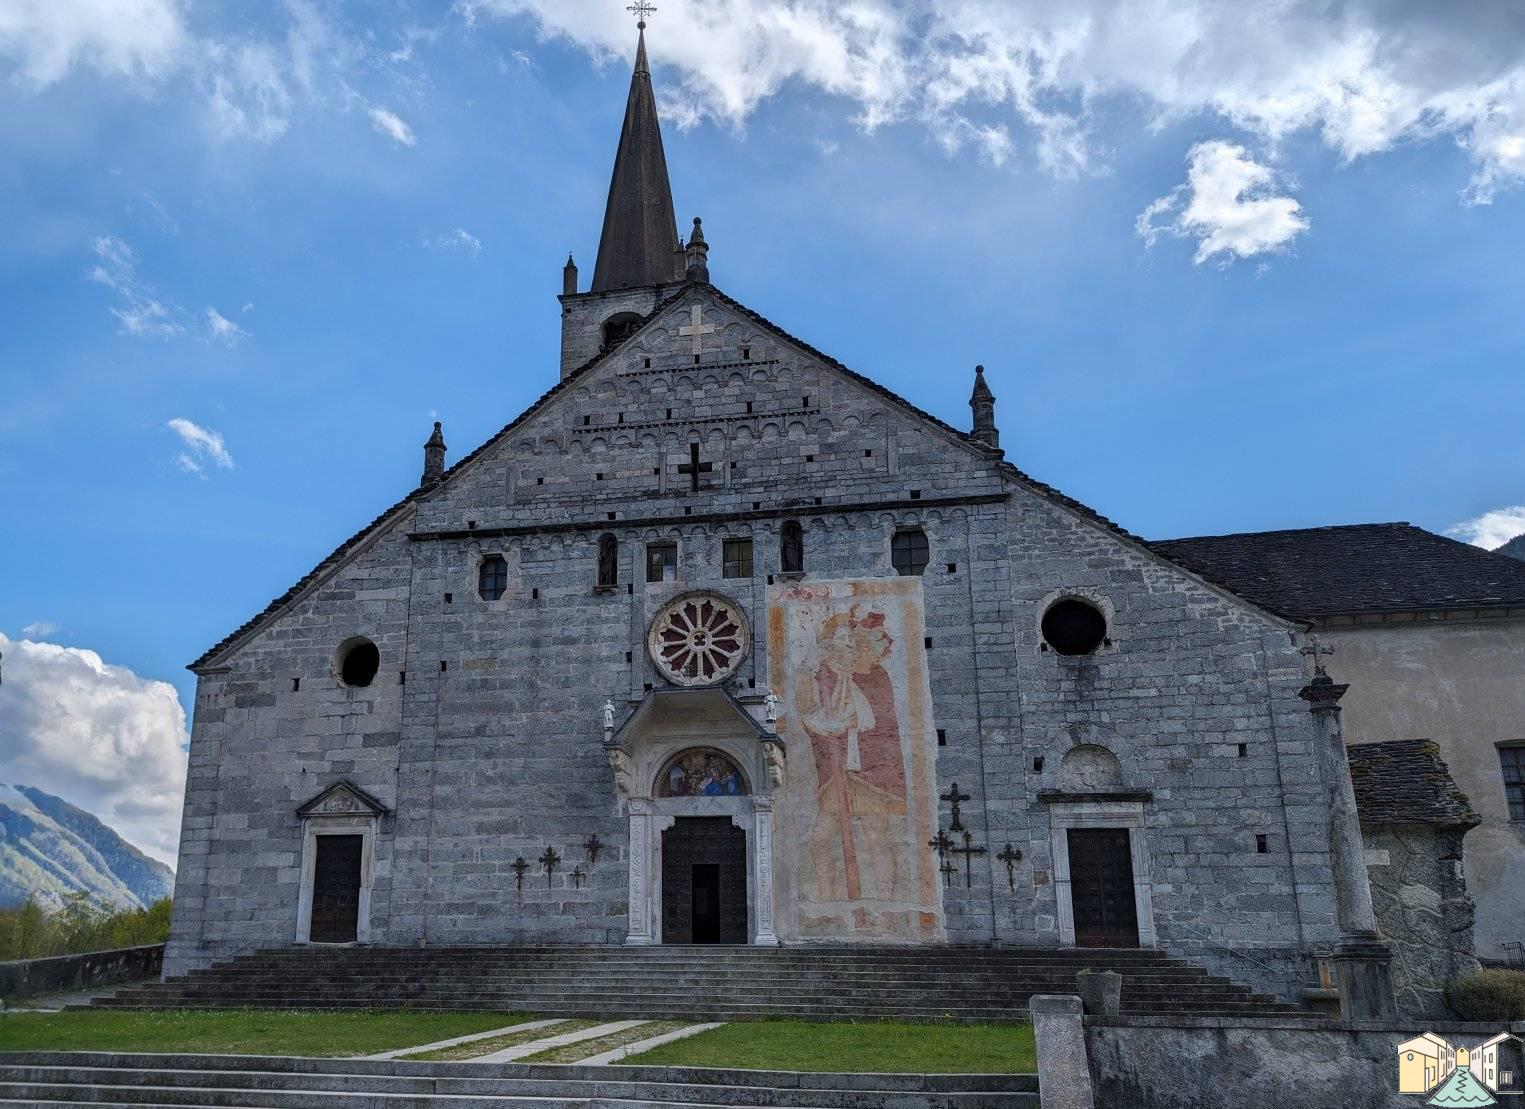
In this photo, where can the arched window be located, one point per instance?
(619, 327)
(908, 552)
(608, 559)
(492, 577)
(791, 548)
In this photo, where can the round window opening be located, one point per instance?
(698, 639)
(1073, 627)
(358, 662)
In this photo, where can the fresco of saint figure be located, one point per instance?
(846, 705)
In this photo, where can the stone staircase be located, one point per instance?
(699, 983)
(90, 1078)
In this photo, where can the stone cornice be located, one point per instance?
(718, 517)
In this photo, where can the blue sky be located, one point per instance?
(1220, 281)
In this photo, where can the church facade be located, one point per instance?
(720, 641)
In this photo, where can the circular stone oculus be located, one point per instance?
(698, 639)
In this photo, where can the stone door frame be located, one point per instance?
(1129, 815)
(364, 825)
(649, 818)
(343, 809)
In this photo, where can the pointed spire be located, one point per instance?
(640, 231)
(434, 457)
(982, 404)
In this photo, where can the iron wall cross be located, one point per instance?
(549, 861)
(593, 845)
(1011, 857)
(942, 843)
(578, 875)
(948, 870)
(693, 467)
(519, 866)
(967, 851)
(955, 797)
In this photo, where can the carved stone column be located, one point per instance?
(640, 865)
(1363, 959)
(762, 811)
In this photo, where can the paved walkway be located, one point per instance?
(607, 1042)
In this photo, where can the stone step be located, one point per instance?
(703, 983)
(116, 1079)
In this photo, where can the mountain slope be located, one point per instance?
(1515, 548)
(49, 849)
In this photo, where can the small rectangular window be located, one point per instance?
(1262, 844)
(1512, 760)
(661, 562)
(737, 558)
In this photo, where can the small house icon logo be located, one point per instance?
(1462, 1076)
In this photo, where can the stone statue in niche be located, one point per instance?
(770, 708)
(608, 716)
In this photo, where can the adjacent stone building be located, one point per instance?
(1430, 634)
(1413, 818)
(721, 641)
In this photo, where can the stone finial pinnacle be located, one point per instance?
(697, 254)
(434, 457)
(569, 277)
(982, 405)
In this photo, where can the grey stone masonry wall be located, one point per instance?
(1424, 911)
(491, 750)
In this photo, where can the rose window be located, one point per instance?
(698, 639)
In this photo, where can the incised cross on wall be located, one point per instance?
(697, 328)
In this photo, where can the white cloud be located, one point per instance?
(1227, 204)
(140, 312)
(40, 630)
(1491, 529)
(224, 329)
(202, 445)
(97, 735)
(458, 239)
(391, 125)
(46, 39)
(1361, 75)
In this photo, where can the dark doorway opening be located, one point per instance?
(1101, 887)
(704, 881)
(336, 890)
(706, 902)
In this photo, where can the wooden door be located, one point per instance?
(1101, 888)
(336, 890)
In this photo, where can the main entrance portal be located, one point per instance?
(704, 881)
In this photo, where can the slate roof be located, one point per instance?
(1351, 570)
(1048, 492)
(1405, 781)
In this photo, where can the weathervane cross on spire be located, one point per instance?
(640, 9)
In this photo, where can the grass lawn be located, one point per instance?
(241, 1031)
(876, 1046)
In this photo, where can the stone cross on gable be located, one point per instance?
(697, 328)
(1317, 652)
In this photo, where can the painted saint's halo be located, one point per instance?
(698, 639)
